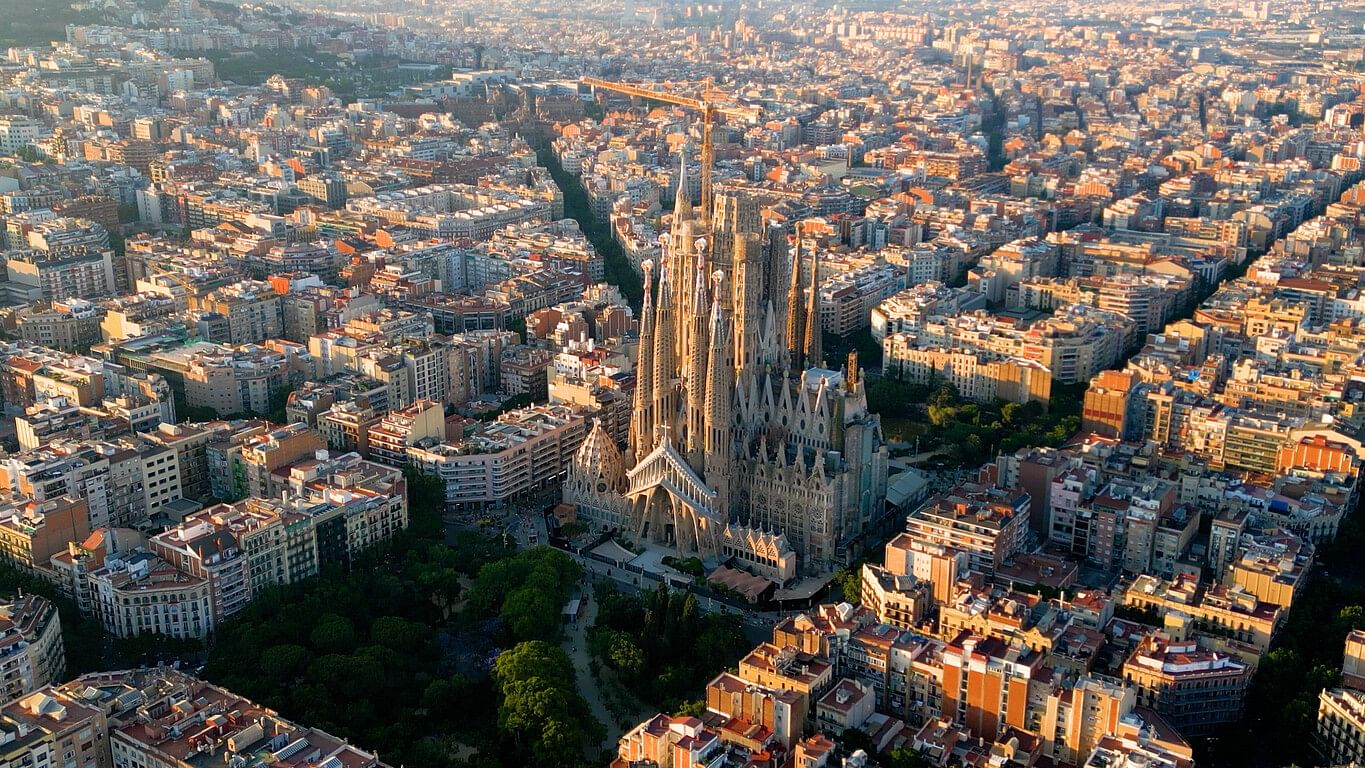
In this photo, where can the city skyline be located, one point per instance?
(743, 384)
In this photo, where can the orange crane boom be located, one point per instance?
(708, 103)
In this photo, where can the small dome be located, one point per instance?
(599, 457)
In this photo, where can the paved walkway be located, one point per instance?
(576, 645)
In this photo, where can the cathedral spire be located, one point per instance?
(773, 343)
(682, 200)
(795, 325)
(747, 304)
(719, 394)
(814, 355)
(777, 263)
(663, 410)
(694, 420)
(683, 227)
(641, 429)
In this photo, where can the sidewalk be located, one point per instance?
(576, 646)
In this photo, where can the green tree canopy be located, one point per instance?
(333, 634)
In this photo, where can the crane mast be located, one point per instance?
(708, 104)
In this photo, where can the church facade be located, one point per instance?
(743, 446)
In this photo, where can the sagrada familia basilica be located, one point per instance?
(743, 446)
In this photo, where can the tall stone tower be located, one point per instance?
(739, 438)
(720, 388)
(695, 375)
(641, 428)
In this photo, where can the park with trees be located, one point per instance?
(433, 654)
(661, 646)
(966, 433)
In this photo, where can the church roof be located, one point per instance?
(598, 455)
(675, 474)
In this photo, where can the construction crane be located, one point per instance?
(708, 101)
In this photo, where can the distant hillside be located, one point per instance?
(36, 22)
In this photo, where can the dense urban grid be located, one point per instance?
(745, 384)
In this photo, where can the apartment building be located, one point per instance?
(194, 575)
(263, 455)
(227, 469)
(846, 300)
(346, 426)
(69, 325)
(977, 376)
(525, 371)
(1010, 264)
(904, 668)
(1340, 735)
(898, 600)
(755, 709)
(452, 211)
(1023, 620)
(1117, 528)
(1076, 721)
(1353, 662)
(986, 684)
(139, 592)
(207, 548)
(803, 674)
(987, 523)
(1141, 740)
(31, 532)
(669, 742)
(523, 451)
(1196, 689)
(601, 397)
(1274, 569)
(138, 314)
(387, 368)
(1107, 408)
(936, 564)
(389, 324)
(249, 312)
(55, 419)
(848, 704)
(354, 503)
(190, 443)
(80, 380)
(1074, 344)
(53, 727)
(307, 310)
(329, 191)
(65, 271)
(817, 752)
(245, 379)
(908, 310)
(1219, 610)
(162, 718)
(18, 131)
(123, 482)
(31, 651)
(397, 431)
